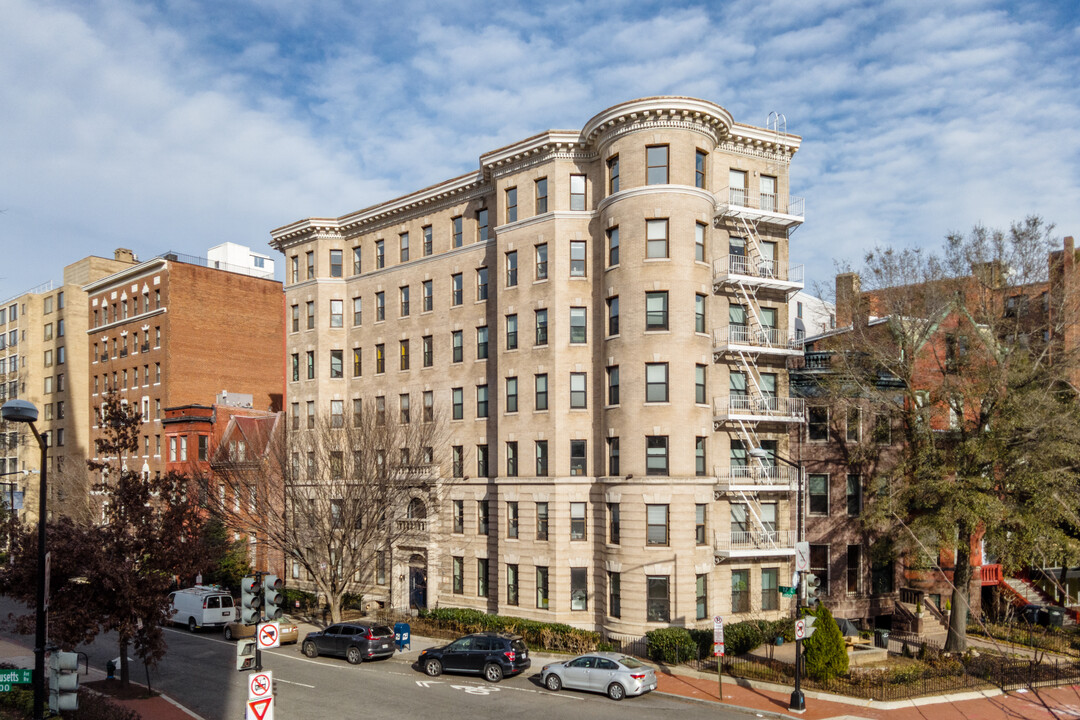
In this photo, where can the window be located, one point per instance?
(357, 411)
(429, 405)
(817, 424)
(294, 274)
(310, 265)
(429, 351)
(853, 425)
(699, 313)
(577, 457)
(482, 516)
(699, 384)
(767, 191)
(296, 416)
(658, 605)
(337, 413)
(541, 327)
(854, 569)
(542, 588)
(455, 225)
(512, 470)
(656, 310)
(613, 174)
(335, 264)
(357, 311)
(613, 246)
(403, 242)
(541, 262)
(854, 495)
(511, 332)
(482, 225)
(337, 312)
(613, 385)
(699, 168)
(459, 516)
(542, 471)
(656, 238)
(656, 161)
(818, 487)
(577, 521)
(482, 342)
(459, 575)
(457, 295)
(380, 411)
(511, 584)
(511, 269)
(357, 362)
(579, 589)
(701, 596)
(357, 265)
(882, 429)
(656, 382)
(613, 316)
(614, 581)
(541, 399)
(740, 591)
(310, 365)
(511, 394)
(481, 284)
(336, 364)
(457, 461)
(457, 340)
(541, 196)
(578, 390)
(404, 409)
(380, 306)
(577, 192)
(311, 315)
(577, 258)
(296, 318)
(458, 403)
(656, 524)
(656, 455)
(427, 239)
(511, 204)
(578, 329)
(699, 523)
(403, 294)
(481, 401)
(613, 456)
(380, 359)
(737, 187)
(310, 414)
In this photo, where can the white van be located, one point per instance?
(201, 606)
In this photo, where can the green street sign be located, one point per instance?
(787, 591)
(15, 677)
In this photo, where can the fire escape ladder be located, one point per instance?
(753, 318)
(768, 537)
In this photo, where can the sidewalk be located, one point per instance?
(762, 699)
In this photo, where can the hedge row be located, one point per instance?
(540, 635)
(676, 644)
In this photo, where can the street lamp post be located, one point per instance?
(25, 412)
(797, 702)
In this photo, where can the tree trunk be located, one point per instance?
(125, 674)
(957, 638)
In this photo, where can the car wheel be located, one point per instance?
(433, 668)
(615, 691)
(353, 656)
(228, 633)
(191, 626)
(553, 683)
(493, 672)
(310, 650)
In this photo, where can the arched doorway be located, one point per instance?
(417, 581)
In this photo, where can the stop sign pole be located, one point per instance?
(718, 651)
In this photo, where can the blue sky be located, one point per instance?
(180, 124)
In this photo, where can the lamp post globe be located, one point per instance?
(19, 411)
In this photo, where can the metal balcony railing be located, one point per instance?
(774, 338)
(765, 270)
(754, 542)
(776, 477)
(765, 407)
(732, 199)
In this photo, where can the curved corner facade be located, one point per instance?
(600, 318)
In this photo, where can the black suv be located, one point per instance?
(355, 641)
(490, 654)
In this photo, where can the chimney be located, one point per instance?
(848, 288)
(124, 255)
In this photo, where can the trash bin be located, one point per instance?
(881, 639)
(1055, 616)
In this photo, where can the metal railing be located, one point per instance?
(412, 525)
(765, 338)
(753, 474)
(754, 540)
(765, 269)
(770, 406)
(765, 202)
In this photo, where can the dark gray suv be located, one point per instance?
(490, 654)
(355, 642)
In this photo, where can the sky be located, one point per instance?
(181, 124)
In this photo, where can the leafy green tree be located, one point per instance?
(826, 654)
(227, 558)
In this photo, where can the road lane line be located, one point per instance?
(290, 682)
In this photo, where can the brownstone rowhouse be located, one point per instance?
(168, 332)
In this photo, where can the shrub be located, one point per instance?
(542, 635)
(671, 645)
(826, 655)
(97, 707)
(742, 637)
(291, 596)
(352, 601)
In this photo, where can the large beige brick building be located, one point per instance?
(601, 316)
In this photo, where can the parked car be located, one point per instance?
(615, 674)
(355, 641)
(289, 632)
(493, 655)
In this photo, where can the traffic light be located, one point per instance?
(63, 681)
(813, 586)
(272, 596)
(245, 654)
(251, 600)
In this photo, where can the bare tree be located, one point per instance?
(335, 496)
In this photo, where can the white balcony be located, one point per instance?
(755, 478)
(743, 338)
(767, 408)
(785, 211)
(412, 526)
(771, 274)
(753, 543)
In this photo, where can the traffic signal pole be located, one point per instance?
(797, 702)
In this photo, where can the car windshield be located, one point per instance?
(630, 662)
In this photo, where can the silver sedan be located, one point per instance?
(615, 674)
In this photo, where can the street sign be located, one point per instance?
(787, 591)
(261, 709)
(800, 629)
(718, 629)
(14, 677)
(718, 649)
(269, 636)
(718, 620)
(260, 685)
(802, 557)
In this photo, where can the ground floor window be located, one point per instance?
(702, 593)
(740, 591)
(579, 589)
(658, 605)
(770, 599)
